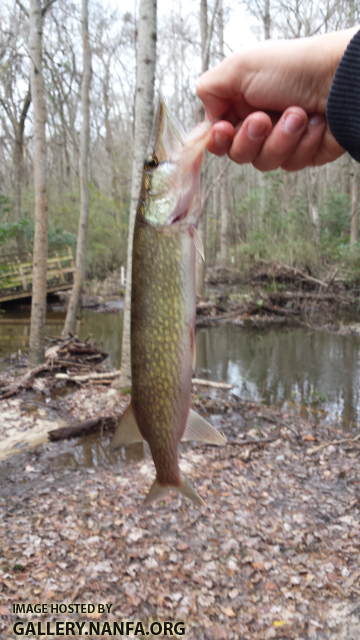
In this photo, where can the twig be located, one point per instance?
(243, 443)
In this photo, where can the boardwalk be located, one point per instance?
(16, 276)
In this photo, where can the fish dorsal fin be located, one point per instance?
(197, 428)
(198, 242)
(127, 431)
(157, 491)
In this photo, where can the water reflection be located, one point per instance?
(94, 451)
(316, 372)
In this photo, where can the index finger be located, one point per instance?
(216, 89)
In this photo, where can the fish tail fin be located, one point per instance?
(186, 489)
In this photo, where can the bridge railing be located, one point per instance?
(16, 277)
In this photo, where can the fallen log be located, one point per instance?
(85, 428)
(210, 383)
(89, 376)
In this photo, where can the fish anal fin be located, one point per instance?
(157, 491)
(197, 428)
(193, 344)
(127, 431)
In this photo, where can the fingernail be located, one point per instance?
(293, 123)
(316, 119)
(221, 138)
(256, 130)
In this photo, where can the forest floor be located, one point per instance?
(274, 554)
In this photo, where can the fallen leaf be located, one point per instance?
(228, 611)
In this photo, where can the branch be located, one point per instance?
(218, 177)
(47, 6)
(206, 51)
(20, 4)
(26, 105)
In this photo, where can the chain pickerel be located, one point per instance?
(163, 304)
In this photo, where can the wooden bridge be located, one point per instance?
(16, 277)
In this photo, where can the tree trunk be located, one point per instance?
(224, 213)
(354, 234)
(144, 115)
(223, 168)
(267, 19)
(205, 48)
(18, 164)
(79, 275)
(313, 202)
(38, 302)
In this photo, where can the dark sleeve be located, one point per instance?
(343, 105)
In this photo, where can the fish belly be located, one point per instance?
(162, 324)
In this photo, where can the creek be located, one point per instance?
(314, 373)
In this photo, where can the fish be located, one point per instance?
(163, 304)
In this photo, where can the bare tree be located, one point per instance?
(38, 301)
(354, 229)
(144, 113)
(15, 97)
(223, 166)
(206, 30)
(79, 277)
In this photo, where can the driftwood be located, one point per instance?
(224, 316)
(210, 383)
(7, 391)
(89, 376)
(333, 442)
(68, 354)
(85, 428)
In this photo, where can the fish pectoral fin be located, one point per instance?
(197, 428)
(186, 489)
(127, 432)
(198, 242)
(193, 345)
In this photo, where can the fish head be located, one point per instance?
(170, 188)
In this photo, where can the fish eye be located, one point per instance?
(151, 162)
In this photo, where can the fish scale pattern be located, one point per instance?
(160, 343)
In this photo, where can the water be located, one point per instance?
(105, 328)
(316, 374)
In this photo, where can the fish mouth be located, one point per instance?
(184, 153)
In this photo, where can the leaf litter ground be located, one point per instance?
(274, 554)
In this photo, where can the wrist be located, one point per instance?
(332, 47)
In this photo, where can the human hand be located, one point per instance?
(269, 102)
